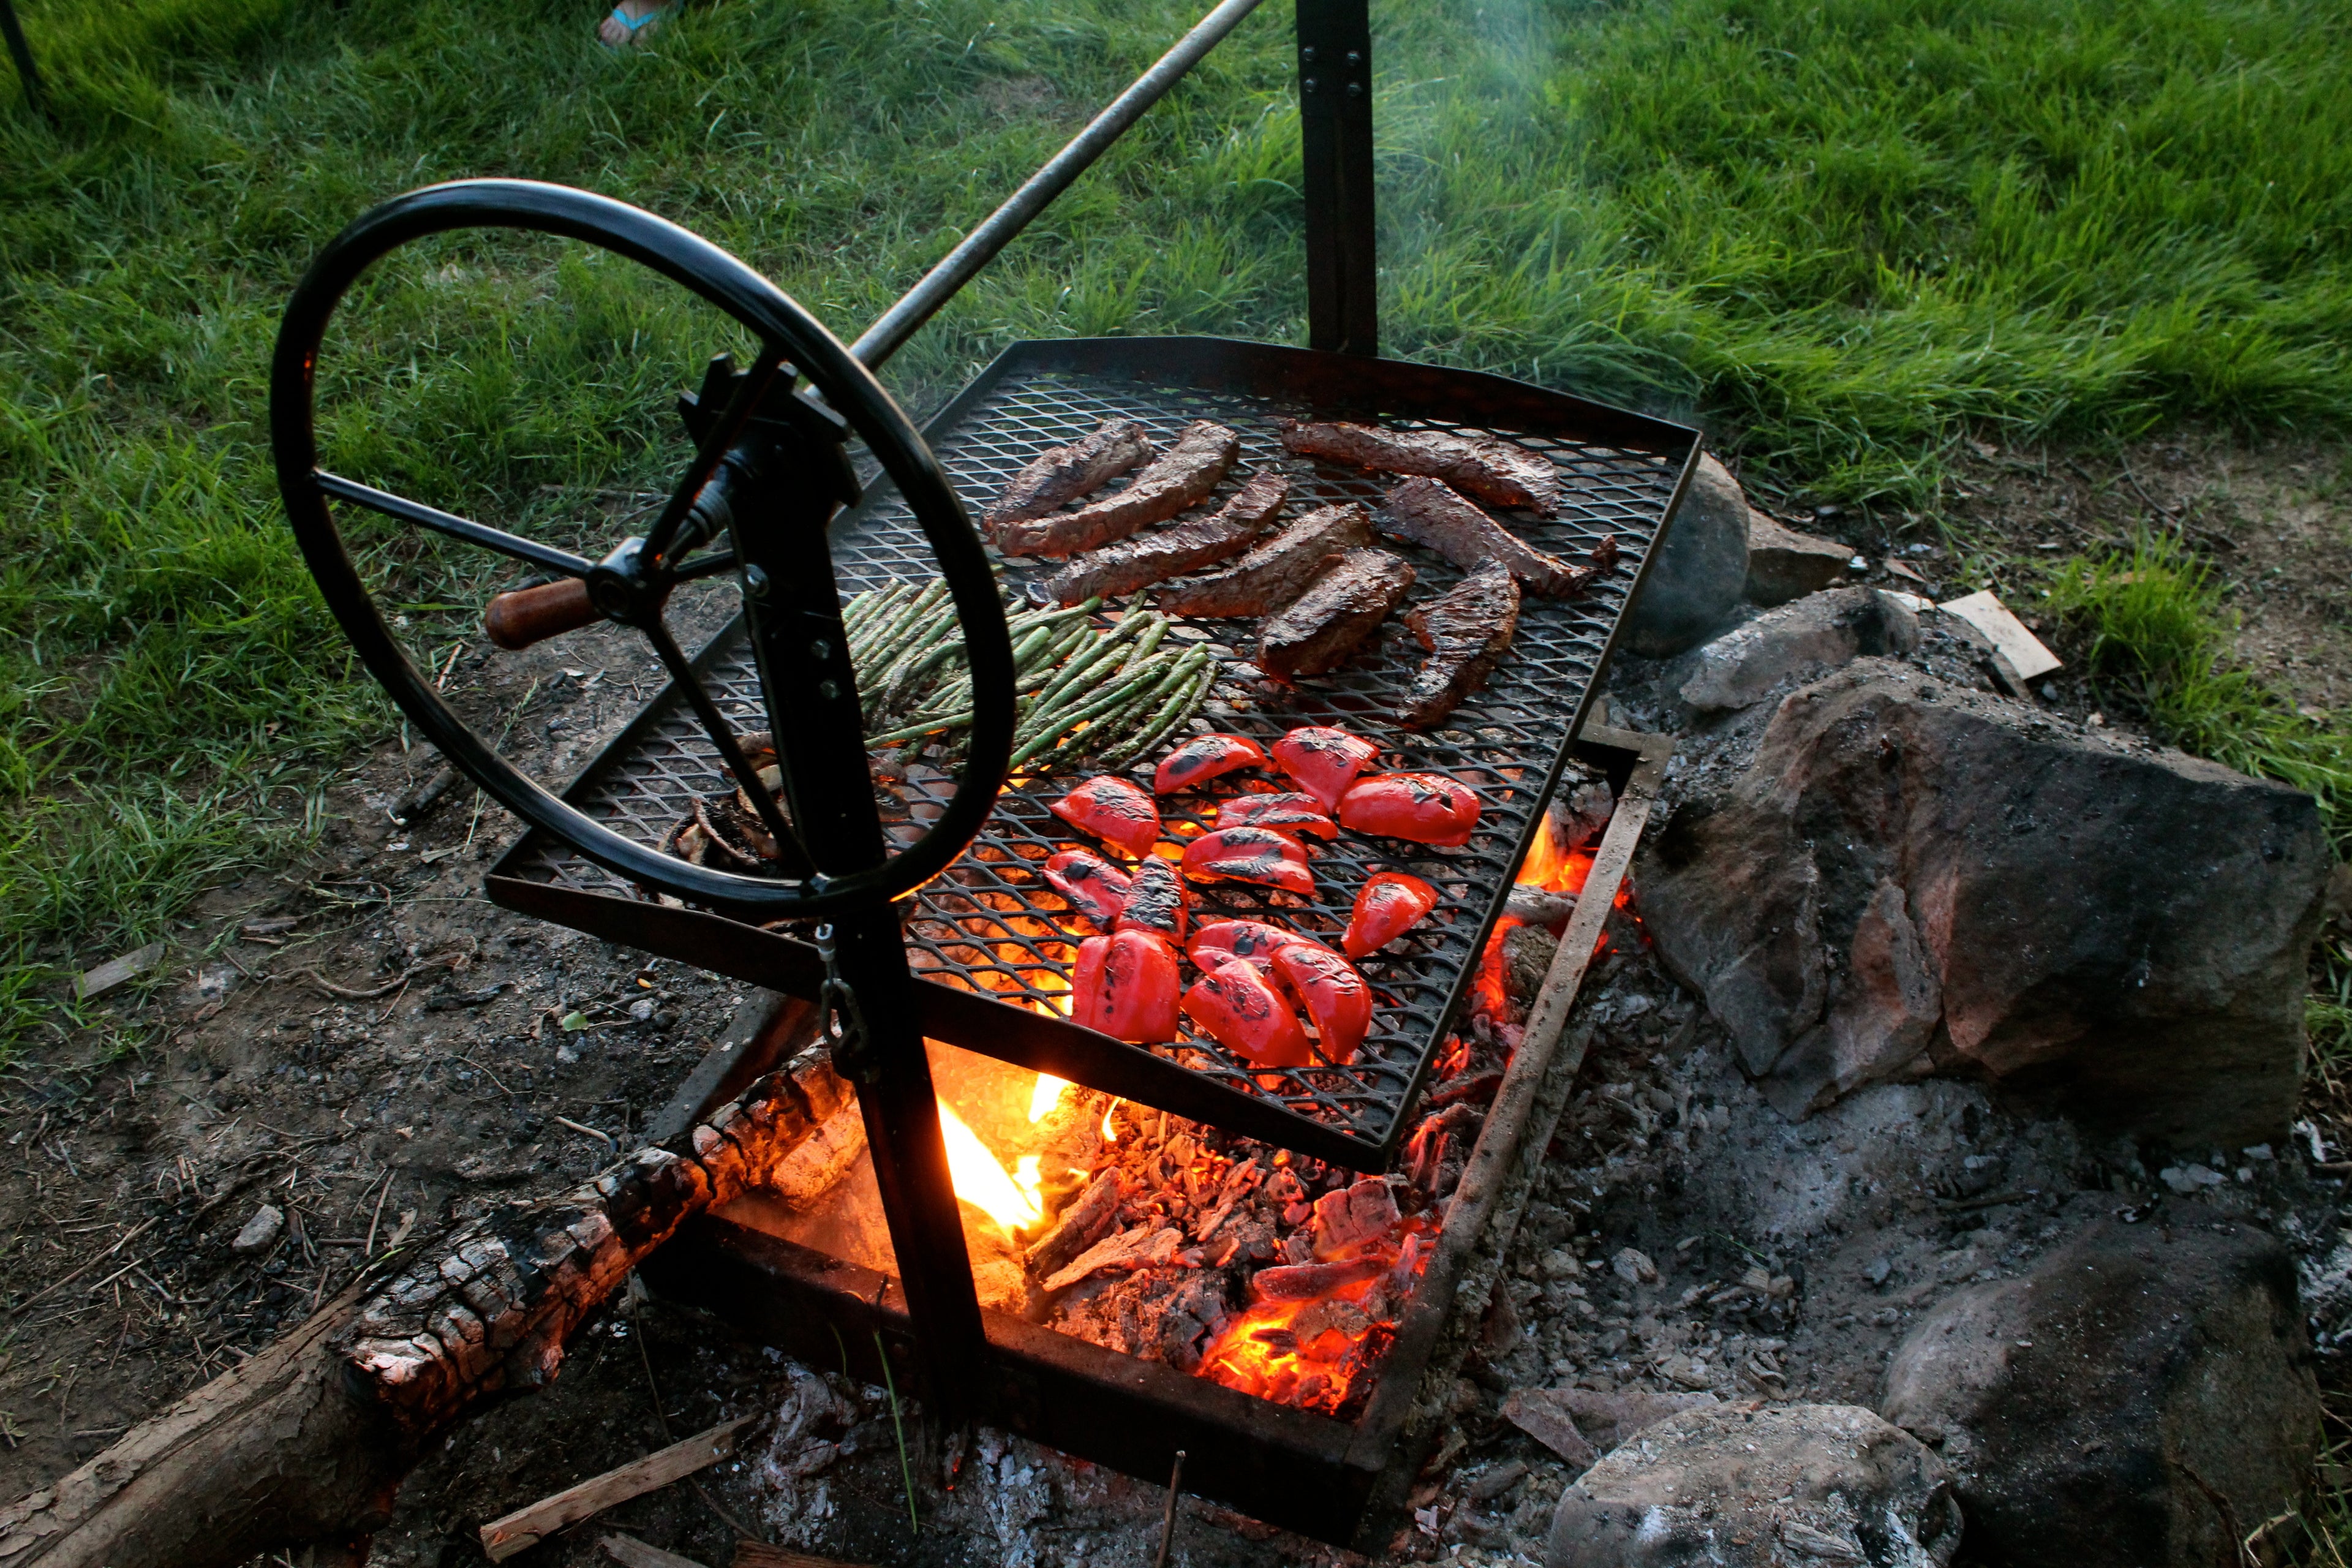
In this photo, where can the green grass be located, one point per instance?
(1843, 234)
(2159, 634)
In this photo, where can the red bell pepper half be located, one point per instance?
(1095, 886)
(1391, 904)
(1428, 809)
(1241, 1010)
(1205, 757)
(1254, 942)
(1324, 761)
(1112, 810)
(1249, 854)
(1155, 901)
(1292, 815)
(1126, 985)
(1335, 997)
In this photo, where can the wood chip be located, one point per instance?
(115, 971)
(526, 1527)
(1136, 1249)
(1535, 1412)
(759, 1554)
(2022, 652)
(631, 1552)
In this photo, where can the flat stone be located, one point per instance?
(2142, 1398)
(1910, 879)
(1800, 641)
(1744, 1486)
(260, 1232)
(1783, 564)
(1696, 579)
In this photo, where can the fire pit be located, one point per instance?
(909, 903)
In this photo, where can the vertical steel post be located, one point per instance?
(793, 609)
(22, 53)
(1335, 115)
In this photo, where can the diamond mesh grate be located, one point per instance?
(992, 924)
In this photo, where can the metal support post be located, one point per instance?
(1335, 115)
(793, 608)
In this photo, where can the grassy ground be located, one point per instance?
(1845, 233)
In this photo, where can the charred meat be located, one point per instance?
(1060, 475)
(1184, 474)
(1275, 571)
(1430, 512)
(1492, 470)
(1466, 631)
(1138, 563)
(1332, 618)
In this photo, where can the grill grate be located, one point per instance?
(991, 923)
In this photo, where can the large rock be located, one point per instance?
(1803, 640)
(1696, 580)
(1783, 564)
(1910, 879)
(2143, 1398)
(1746, 1488)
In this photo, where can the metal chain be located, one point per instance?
(839, 1018)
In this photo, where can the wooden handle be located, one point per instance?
(529, 616)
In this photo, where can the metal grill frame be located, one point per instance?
(1623, 474)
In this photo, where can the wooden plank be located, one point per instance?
(527, 1527)
(115, 971)
(631, 1552)
(2026, 657)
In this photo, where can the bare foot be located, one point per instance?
(642, 17)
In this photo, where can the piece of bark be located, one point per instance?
(1080, 1225)
(306, 1443)
(759, 1554)
(1536, 1413)
(527, 1527)
(1131, 1249)
(631, 1552)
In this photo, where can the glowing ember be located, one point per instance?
(1310, 1354)
(1044, 1097)
(981, 1181)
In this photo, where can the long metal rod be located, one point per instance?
(918, 304)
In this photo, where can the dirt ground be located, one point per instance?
(366, 1044)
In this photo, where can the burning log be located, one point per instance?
(1129, 1250)
(1081, 1224)
(307, 1442)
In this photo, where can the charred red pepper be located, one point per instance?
(1249, 854)
(1252, 941)
(1428, 809)
(1292, 815)
(1243, 1012)
(1095, 886)
(1126, 985)
(1205, 757)
(1324, 761)
(1335, 997)
(1391, 904)
(1112, 810)
(1155, 901)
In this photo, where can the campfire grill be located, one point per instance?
(765, 494)
(980, 928)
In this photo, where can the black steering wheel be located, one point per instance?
(768, 472)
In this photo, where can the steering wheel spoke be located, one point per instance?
(451, 524)
(791, 854)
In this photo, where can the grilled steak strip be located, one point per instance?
(1062, 474)
(1337, 612)
(1491, 470)
(1275, 571)
(1467, 630)
(1428, 511)
(1138, 563)
(1179, 476)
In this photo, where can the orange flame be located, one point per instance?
(1044, 1097)
(1310, 1354)
(982, 1182)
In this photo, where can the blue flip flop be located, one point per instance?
(633, 24)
